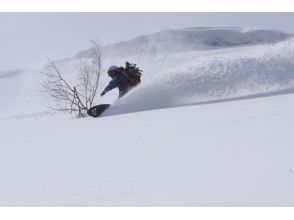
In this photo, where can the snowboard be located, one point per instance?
(97, 110)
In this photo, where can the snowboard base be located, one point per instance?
(97, 110)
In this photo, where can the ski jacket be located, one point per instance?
(121, 81)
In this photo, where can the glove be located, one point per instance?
(103, 93)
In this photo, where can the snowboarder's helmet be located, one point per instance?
(113, 71)
(113, 68)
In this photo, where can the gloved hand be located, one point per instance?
(103, 93)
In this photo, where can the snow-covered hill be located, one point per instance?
(190, 39)
(211, 124)
(236, 153)
(180, 67)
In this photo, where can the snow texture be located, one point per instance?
(211, 125)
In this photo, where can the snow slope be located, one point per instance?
(237, 153)
(180, 67)
(190, 39)
(20, 92)
(211, 125)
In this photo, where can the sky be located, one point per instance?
(26, 39)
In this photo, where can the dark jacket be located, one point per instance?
(121, 81)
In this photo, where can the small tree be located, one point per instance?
(74, 98)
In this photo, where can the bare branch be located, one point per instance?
(78, 98)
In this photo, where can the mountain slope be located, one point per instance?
(211, 125)
(191, 39)
(227, 154)
(180, 67)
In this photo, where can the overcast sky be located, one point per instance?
(26, 39)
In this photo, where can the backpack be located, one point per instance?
(134, 73)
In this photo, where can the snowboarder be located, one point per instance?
(123, 78)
